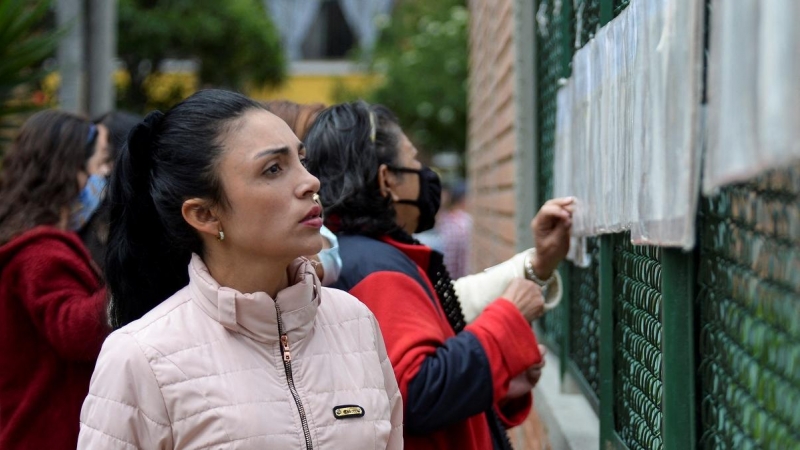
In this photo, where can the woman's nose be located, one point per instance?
(310, 185)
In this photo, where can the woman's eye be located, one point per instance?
(304, 162)
(273, 170)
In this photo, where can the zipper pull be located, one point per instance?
(287, 355)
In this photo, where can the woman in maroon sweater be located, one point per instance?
(52, 300)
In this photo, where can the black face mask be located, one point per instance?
(430, 196)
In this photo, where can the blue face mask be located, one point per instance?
(330, 259)
(89, 199)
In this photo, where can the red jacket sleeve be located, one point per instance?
(515, 411)
(64, 298)
(509, 343)
(445, 378)
(410, 324)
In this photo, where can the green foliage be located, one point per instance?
(234, 41)
(423, 58)
(24, 45)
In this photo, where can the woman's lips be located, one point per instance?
(315, 222)
(313, 218)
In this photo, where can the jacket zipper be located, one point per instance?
(287, 366)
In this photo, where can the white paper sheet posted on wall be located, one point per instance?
(629, 122)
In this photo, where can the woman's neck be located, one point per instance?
(246, 275)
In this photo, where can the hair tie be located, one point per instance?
(91, 138)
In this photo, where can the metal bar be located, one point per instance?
(566, 302)
(616, 443)
(525, 100)
(102, 40)
(606, 11)
(606, 340)
(608, 436)
(567, 45)
(71, 55)
(566, 60)
(678, 348)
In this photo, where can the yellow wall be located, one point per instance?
(317, 88)
(165, 89)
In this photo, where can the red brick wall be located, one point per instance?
(491, 139)
(491, 156)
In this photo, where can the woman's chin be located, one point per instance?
(311, 248)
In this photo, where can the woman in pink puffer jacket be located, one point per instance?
(244, 349)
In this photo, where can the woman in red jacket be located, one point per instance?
(462, 384)
(52, 319)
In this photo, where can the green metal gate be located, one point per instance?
(643, 328)
(749, 336)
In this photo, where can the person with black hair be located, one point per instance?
(461, 383)
(52, 299)
(119, 124)
(95, 233)
(224, 336)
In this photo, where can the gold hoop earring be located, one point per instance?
(221, 236)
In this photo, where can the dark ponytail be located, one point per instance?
(168, 159)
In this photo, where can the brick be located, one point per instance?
(505, 83)
(505, 173)
(505, 145)
(483, 180)
(505, 10)
(500, 203)
(504, 123)
(506, 230)
(505, 50)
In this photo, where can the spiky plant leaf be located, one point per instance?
(24, 45)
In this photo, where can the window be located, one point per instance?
(330, 37)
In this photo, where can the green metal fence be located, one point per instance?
(584, 323)
(749, 341)
(585, 20)
(619, 5)
(679, 350)
(637, 344)
(552, 38)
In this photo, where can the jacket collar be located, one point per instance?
(419, 253)
(255, 315)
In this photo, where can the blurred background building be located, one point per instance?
(328, 44)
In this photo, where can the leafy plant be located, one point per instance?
(25, 42)
(234, 42)
(422, 56)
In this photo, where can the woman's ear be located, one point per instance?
(82, 177)
(386, 181)
(197, 213)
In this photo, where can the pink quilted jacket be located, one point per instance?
(213, 368)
